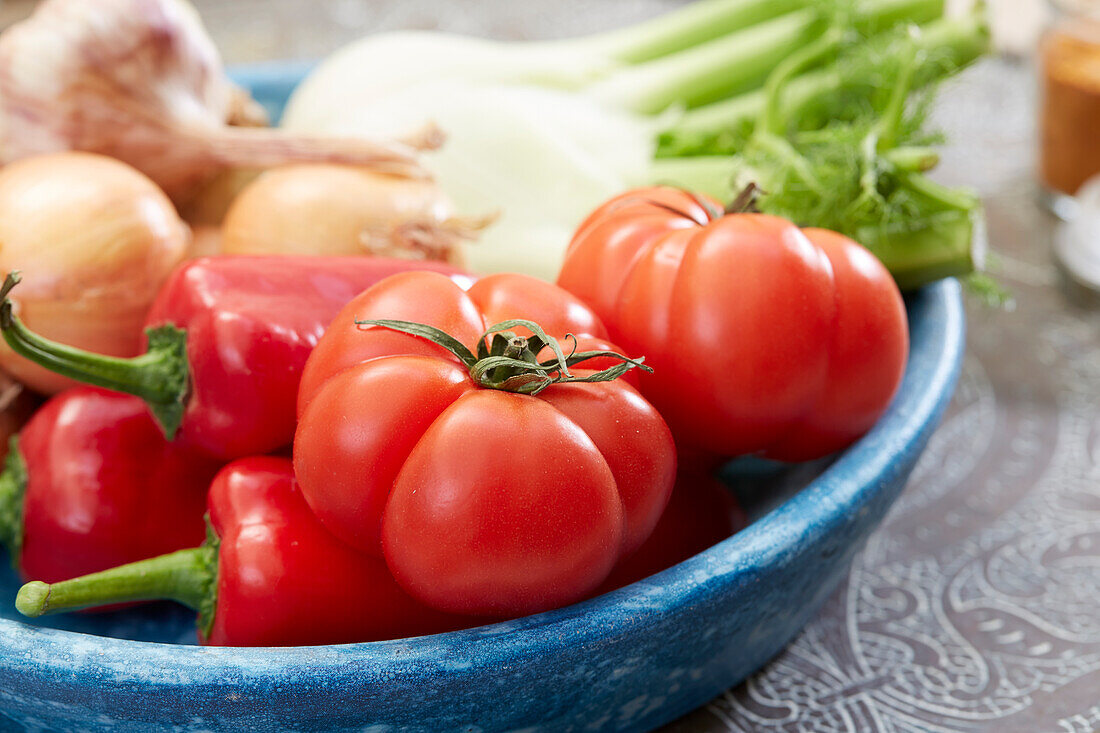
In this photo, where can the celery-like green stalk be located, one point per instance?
(944, 248)
(741, 61)
(945, 45)
(711, 70)
(691, 25)
(709, 174)
(860, 173)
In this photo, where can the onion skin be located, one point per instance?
(334, 210)
(94, 239)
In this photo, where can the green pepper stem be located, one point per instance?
(13, 488)
(180, 576)
(160, 376)
(187, 576)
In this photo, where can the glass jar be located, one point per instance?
(1069, 71)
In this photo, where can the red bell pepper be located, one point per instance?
(227, 338)
(75, 492)
(268, 575)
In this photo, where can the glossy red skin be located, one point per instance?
(104, 487)
(764, 338)
(284, 581)
(700, 513)
(482, 502)
(251, 323)
(465, 316)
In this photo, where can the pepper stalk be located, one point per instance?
(161, 376)
(189, 577)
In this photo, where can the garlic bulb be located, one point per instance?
(94, 240)
(141, 81)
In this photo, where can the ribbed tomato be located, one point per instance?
(489, 491)
(763, 337)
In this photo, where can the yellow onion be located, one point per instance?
(338, 210)
(206, 241)
(94, 239)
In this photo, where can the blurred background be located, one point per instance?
(247, 31)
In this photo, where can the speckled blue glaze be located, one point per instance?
(630, 660)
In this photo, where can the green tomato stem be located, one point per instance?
(511, 363)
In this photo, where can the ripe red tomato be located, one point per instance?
(702, 512)
(762, 337)
(482, 501)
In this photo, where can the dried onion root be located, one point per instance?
(342, 210)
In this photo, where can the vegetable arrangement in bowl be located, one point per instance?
(386, 448)
(495, 474)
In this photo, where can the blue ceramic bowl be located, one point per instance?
(629, 660)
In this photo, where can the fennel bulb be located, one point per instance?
(542, 133)
(540, 158)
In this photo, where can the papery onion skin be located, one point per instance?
(334, 210)
(94, 239)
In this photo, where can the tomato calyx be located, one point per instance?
(745, 202)
(510, 362)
